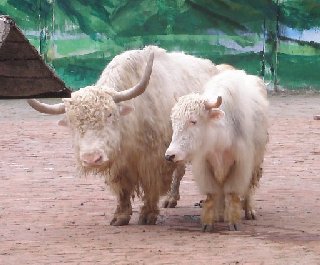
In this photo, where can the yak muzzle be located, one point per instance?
(93, 159)
(170, 157)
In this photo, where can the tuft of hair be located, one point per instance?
(191, 103)
(88, 107)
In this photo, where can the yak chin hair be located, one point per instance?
(99, 171)
(109, 178)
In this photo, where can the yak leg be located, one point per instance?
(149, 211)
(250, 213)
(248, 204)
(208, 213)
(232, 210)
(123, 212)
(173, 195)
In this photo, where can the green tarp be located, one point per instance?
(279, 40)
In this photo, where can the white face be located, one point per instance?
(96, 146)
(94, 122)
(190, 121)
(187, 138)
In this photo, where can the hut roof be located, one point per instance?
(23, 72)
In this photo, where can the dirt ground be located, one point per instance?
(50, 215)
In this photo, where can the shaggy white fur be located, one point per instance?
(226, 145)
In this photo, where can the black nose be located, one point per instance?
(170, 157)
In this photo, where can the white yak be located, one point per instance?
(223, 132)
(128, 149)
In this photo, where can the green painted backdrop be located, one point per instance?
(277, 39)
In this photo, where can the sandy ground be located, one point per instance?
(49, 215)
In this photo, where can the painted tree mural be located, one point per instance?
(277, 39)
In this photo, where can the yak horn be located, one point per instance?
(211, 105)
(139, 88)
(46, 108)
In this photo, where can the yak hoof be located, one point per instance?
(233, 227)
(119, 221)
(250, 215)
(149, 219)
(169, 203)
(207, 228)
(199, 204)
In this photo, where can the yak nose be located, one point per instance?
(170, 157)
(92, 159)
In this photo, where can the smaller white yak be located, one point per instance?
(223, 132)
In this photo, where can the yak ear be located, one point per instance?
(175, 96)
(125, 109)
(63, 122)
(66, 100)
(216, 114)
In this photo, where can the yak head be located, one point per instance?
(191, 118)
(94, 114)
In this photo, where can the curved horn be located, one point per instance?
(139, 88)
(211, 105)
(46, 108)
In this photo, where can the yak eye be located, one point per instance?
(193, 122)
